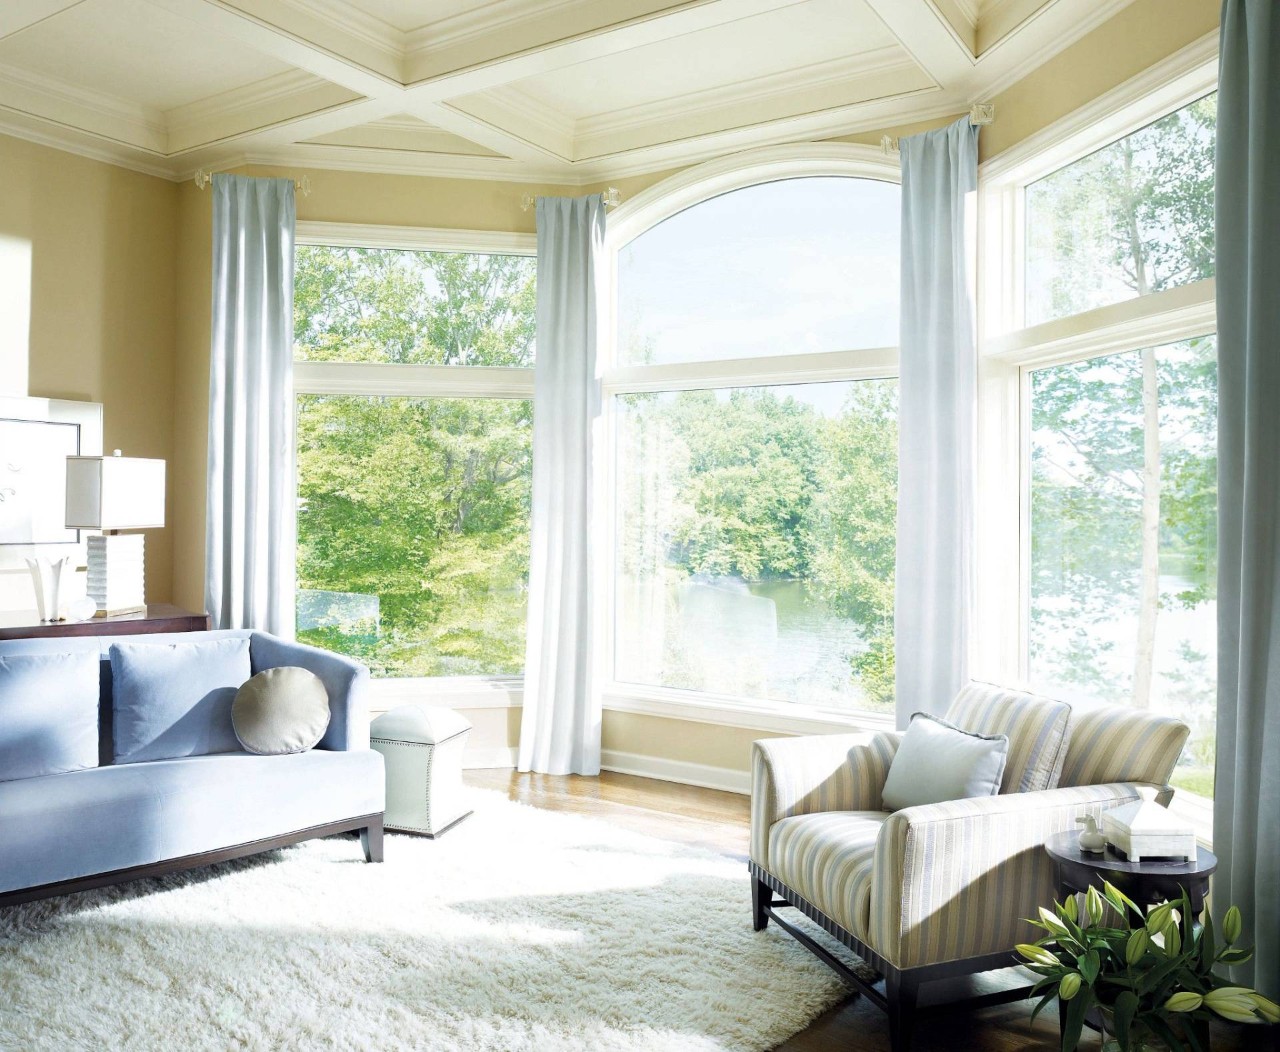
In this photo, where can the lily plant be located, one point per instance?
(1152, 973)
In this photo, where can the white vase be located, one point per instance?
(48, 576)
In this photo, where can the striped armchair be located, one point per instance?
(939, 890)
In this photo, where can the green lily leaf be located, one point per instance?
(1126, 1008)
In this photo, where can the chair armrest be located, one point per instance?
(820, 772)
(346, 681)
(958, 879)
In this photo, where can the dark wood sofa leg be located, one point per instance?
(900, 992)
(761, 896)
(371, 841)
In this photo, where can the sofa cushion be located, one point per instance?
(213, 801)
(1115, 744)
(827, 858)
(48, 714)
(174, 699)
(64, 826)
(1037, 729)
(936, 762)
(280, 710)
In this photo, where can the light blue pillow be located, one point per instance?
(937, 761)
(174, 699)
(48, 714)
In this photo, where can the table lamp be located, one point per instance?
(112, 494)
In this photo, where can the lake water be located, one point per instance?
(760, 639)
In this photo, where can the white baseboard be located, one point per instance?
(725, 778)
(700, 774)
(493, 756)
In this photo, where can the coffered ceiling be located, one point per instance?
(570, 91)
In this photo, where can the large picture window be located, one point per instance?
(754, 467)
(756, 540)
(414, 459)
(1124, 539)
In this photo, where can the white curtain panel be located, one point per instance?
(1246, 834)
(249, 575)
(560, 726)
(936, 421)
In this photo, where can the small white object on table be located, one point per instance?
(1144, 829)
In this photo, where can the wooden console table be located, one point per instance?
(159, 617)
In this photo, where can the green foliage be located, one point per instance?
(1151, 973)
(755, 484)
(423, 503)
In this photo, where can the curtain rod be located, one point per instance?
(980, 115)
(204, 179)
(612, 198)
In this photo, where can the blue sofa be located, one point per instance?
(111, 821)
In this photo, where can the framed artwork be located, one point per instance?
(36, 437)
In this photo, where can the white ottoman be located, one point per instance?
(422, 746)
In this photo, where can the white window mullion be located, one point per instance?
(411, 381)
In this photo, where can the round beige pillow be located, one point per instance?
(280, 710)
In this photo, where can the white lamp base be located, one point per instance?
(116, 579)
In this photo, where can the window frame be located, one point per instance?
(1009, 351)
(388, 379)
(646, 210)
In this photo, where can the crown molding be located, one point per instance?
(403, 162)
(22, 125)
(90, 112)
(507, 107)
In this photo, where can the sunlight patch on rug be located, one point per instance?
(519, 929)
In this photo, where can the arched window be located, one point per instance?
(752, 409)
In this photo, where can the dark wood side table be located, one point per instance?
(1148, 883)
(159, 617)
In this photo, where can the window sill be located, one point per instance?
(697, 707)
(455, 692)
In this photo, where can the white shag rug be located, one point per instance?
(518, 929)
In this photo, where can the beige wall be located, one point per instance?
(102, 300)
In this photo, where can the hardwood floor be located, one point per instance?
(719, 822)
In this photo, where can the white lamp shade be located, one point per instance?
(114, 493)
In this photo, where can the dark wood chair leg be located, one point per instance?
(371, 841)
(900, 991)
(761, 896)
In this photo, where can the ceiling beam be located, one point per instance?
(929, 37)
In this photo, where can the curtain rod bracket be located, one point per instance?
(612, 198)
(204, 179)
(980, 115)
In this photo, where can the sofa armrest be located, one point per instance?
(821, 772)
(958, 879)
(346, 681)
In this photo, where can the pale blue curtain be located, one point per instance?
(936, 421)
(560, 725)
(249, 577)
(1246, 819)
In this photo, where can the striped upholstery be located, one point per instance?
(1037, 729)
(1115, 744)
(815, 773)
(955, 880)
(827, 859)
